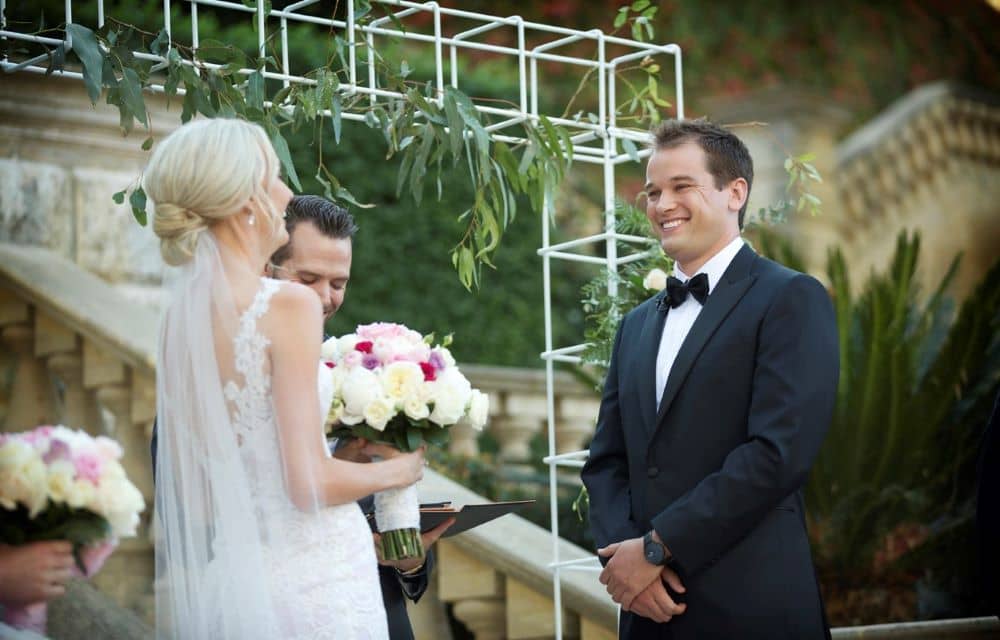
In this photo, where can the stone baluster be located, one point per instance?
(530, 614)
(475, 589)
(142, 411)
(32, 395)
(523, 417)
(464, 440)
(576, 418)
(102, 369)
(79, 407)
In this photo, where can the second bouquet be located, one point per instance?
(391, 384)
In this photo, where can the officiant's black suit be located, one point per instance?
(717, 468)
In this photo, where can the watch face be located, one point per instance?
(654, 553)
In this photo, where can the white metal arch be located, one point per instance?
(594, 142)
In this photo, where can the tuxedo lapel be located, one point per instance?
(649, 346)
(731, 287)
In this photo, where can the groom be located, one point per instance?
(718, 396)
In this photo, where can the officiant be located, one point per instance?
(318, 255)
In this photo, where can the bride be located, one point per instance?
(257, 531)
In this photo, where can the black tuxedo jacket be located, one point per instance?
(394, 584)
(717, 467)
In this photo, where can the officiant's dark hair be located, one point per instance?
(332, 220)
(727, 156)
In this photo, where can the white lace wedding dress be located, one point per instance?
(322, 566)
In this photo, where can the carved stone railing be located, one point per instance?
(930, 162)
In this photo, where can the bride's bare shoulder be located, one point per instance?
(295, 299)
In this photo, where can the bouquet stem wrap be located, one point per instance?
(397, 514)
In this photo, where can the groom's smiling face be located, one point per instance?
(693, 217)
(320, 262)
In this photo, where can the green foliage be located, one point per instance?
(916, 385)
(431, 134)
(57, 521)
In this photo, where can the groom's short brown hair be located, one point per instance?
(330, 219)
(727, 157)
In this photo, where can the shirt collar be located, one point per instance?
(716, 265)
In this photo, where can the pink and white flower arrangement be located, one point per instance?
(62, 484)
(393, 385)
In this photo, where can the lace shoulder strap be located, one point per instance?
(249, 344)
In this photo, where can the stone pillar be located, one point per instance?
(576, 418)
(524, 416)
(475, 589)
(79, 407)
(32, 396)
(128, 575)
(464, 440)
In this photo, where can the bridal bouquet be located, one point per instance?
(393, 385)
(61, 484)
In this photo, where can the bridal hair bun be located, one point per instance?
(178, 229)
(204, 172)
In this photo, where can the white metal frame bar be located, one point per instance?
(594, 143)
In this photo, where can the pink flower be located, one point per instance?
(370, 361)
(58, 450)
(378, 330)
(88, 466)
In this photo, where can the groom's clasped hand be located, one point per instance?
(637, 585)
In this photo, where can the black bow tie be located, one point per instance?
(677, 291)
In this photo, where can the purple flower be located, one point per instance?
(370, 361)
(58, 450)
(436, 360)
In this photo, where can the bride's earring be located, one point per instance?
(250, 220)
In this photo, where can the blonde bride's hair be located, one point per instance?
(203, 172)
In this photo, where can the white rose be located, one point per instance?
(360, 387)
(479, 409)
(378, 413)
(345, 344)
(450, 395)
(329, 350)
(448, 410)
(401, 380)
(81, 495)
(60, 480)
(23, 477)
(351, 419)
(415, 408)
(655, 280)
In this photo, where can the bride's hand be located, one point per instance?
(410, 466)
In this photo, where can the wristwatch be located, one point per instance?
(654, 551)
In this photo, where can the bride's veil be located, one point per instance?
(209, 539)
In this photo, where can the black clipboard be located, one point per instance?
(466, 517)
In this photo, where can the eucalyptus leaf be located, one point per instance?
(89, 52)
(138, 203)
(132, 93)
(281, 148)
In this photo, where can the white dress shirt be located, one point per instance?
(680, 319)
